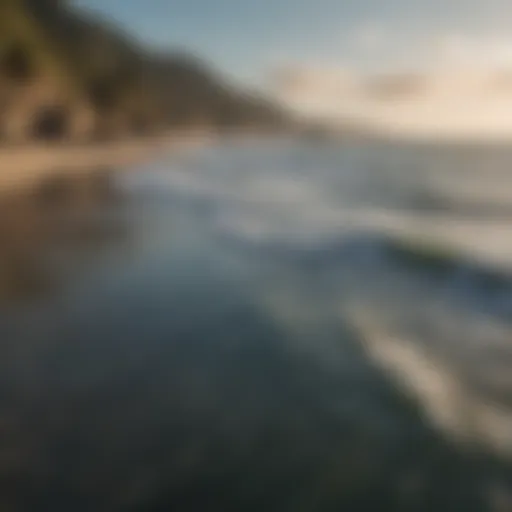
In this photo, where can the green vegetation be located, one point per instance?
(424, 256)
(64, 74)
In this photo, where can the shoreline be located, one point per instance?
(27, 166)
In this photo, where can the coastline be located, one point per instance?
(24, 167)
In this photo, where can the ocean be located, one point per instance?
(262, 325)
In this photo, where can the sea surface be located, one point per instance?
(261, 325)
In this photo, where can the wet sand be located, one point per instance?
(23, 167)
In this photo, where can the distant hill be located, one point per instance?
(65, 74)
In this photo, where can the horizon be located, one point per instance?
(321, 40)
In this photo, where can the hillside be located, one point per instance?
(67, 75)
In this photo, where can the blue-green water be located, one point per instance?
(262, 326)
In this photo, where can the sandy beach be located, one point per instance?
(23, 167)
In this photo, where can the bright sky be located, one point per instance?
(336, 44)
(247, 37)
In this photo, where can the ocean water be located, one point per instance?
(262, 325)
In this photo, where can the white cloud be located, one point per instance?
(474, 51)
(371, 36)
(462, 87)
(314, 84)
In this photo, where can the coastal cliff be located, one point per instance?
(66, 75)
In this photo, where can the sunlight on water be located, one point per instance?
(268, 325)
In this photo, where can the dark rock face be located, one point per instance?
(91, 63)
(51, 123)
(17, 65)
(101, 96)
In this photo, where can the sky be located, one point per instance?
(247, 38)
(321, 56)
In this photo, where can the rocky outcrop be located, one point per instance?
(66, 76)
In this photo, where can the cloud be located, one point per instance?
(473, 51)
(369, 37)
(461, 88)
(313, 88)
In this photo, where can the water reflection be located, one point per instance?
(60, 222)
(175, 364)
(167, 398)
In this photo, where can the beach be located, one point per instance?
(25, 166)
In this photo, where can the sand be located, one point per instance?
(22, 167)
